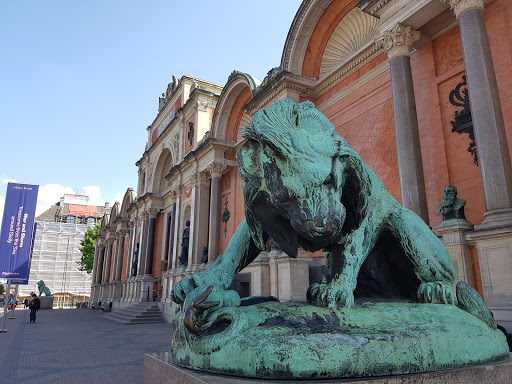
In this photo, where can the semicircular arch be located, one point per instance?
(239, 84)
(129, 197)
(311, 29)
(162, 168)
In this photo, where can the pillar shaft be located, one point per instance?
(107, 262)
(213, 239)
(410, 166)
(95, 264)
(170, 234)
(488, 125)
(397, 42)
(120, 255)
(99, 269)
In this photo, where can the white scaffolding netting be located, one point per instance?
(54, 260)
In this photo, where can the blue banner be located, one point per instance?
(17, 231)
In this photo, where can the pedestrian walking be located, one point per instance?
(34, 306)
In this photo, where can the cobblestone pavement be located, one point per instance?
(71, 346)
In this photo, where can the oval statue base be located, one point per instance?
(297, 341)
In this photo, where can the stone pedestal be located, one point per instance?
(289, 278)
(260, 275)
(145, 288)
(46, 302)
(454, 238)
(117, 290)
(159, 369)
(495, 256)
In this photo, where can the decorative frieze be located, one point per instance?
(398, 40)
(460, 6)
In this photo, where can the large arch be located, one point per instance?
(309, 34)
(162, 168)
(238, 84)
(114, 212)
(105, 224)
(129, 197)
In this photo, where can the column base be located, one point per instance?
(496, 218)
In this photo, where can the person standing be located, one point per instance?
(34, 306)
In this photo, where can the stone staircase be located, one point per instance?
(140, 313)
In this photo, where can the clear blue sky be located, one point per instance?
(80, 80)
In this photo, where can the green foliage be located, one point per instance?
(2, 289)
(88, 244)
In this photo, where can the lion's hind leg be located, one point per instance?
(432, 262)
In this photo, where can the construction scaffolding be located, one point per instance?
(54, 260)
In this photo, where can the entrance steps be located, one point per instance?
(140, 313)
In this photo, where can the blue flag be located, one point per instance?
(17, 231)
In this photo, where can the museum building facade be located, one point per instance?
(420, 88)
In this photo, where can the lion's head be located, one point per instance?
(292, 177)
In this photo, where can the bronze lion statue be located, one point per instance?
(304, 186)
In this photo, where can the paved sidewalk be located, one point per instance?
(71, 346)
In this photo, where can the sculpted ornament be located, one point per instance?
(460, 6)
(398, 41)
(386, 307)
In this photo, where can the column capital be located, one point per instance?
(202, 178)
(216, 169)
(398, 40)
(153, 213)
(460, 6)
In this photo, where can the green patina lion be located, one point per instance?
(384, 308)
(41, 286)
(304, 186)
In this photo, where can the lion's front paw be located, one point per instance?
(330, 295)
(436, 292)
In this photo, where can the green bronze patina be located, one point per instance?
(41, 286)
(386, 306)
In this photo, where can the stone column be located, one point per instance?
(107, 261)
(118, 265)
(216, 171)
(170, 233)
(95, 264)
(488, 125)
(131, 248)
(99, 269)
(199, 221)
(150, 244)
(493, 238)
(397, 43)
(176, 249)
(120, 254)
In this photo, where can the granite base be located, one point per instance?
(46, 302)
(159, 369)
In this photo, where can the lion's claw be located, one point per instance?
(436, 292)
(330, 295)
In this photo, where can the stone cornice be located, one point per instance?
(374, 7)
(279, 83)
(460, 6)
(398, 40)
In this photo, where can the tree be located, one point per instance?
(88, 244)
(2, 289)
